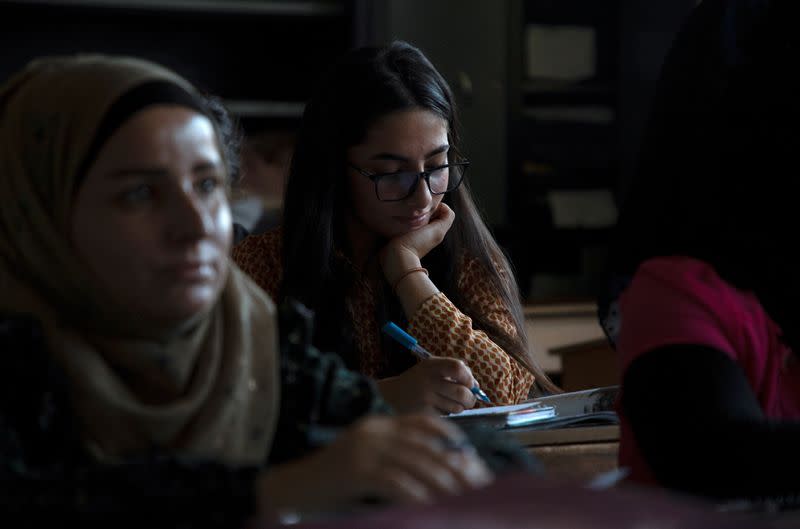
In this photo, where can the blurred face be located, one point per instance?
(409, 140)
(151, 219)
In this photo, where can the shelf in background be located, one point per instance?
(571, 236)
(293, 8)
(585, 114)
(561, 310)
(211, 44)
(265, 109)
(556, 87)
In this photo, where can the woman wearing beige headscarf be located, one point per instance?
(141, 368)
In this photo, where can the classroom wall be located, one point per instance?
(475, 43)
(466, 40)
(648, 31)
(478, 47)
(469, 39)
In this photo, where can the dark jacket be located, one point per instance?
(45, 473)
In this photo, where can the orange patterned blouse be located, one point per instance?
(439, 326)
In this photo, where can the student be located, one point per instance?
(379, 226)
(140, 374)
(708, 334)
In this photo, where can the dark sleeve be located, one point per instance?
(502, 453)
(46, 475)
(608, 313)
(240, 233)
(319, 395)
(701, 429)
(147, 493)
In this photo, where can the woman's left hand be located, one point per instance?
(406, 251)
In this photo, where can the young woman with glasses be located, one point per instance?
(379, 226)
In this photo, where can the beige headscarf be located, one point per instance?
(222, 369)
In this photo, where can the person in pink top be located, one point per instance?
(707, 325)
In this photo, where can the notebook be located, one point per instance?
(506, 416)
(592, 407)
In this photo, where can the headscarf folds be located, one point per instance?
(221, 370)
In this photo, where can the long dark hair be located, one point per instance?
(363, 86)
(713, 181)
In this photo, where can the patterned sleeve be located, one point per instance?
(446, 331)
(259, 256)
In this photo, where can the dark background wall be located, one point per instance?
(263, 57)
(520, 158)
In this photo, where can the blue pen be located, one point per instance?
(409, 342)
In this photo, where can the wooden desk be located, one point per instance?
(527, 501)
(572, 453)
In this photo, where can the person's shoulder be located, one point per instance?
(266, 242)
(19, 332)
(469, 271)
(23, 348)
(29, 371)
(679, 267)
(684, 300)
(473, 272)
(471, 266)
(691, 278)
(259, 256)
(259, 248)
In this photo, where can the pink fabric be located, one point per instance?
(680, 300)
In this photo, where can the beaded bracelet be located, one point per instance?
(406, 274)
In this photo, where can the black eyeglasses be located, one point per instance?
(390, 187)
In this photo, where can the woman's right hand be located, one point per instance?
(405, 459)
(436, 385)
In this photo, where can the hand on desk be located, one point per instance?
(408, 459)
(436, 385)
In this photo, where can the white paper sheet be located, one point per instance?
(494, 410)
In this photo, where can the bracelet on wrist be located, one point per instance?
(406, 274)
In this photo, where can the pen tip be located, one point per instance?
(481, 395)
